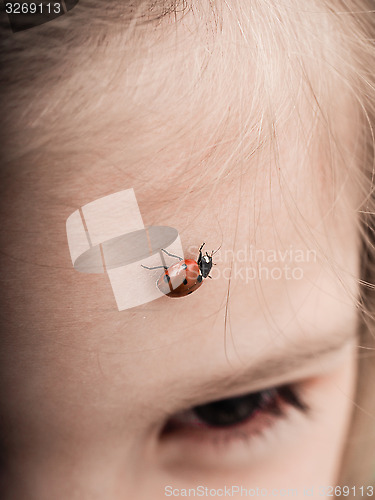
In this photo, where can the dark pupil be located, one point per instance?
(228, 411)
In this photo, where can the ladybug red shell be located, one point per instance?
(186, 276)
(181, 279)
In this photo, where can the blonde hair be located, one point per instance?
(305, 63)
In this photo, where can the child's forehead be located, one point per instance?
(200, 118)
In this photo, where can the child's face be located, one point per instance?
(92, 392)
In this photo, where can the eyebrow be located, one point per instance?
(281, 363)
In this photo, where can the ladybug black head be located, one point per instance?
(204, 262)
(205, 265)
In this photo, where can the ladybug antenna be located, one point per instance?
(215, 251)
(200, 248)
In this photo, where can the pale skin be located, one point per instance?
(89, 389)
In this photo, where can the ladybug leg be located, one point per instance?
(200, 248)
(156, 267)
(171, 254)
(199, 259)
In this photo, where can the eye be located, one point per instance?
(228, 412)
(241, 415)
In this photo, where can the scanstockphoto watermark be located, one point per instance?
(241, 491)
(229, 491)
(253, 263)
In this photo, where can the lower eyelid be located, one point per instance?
(255, 425)
(204, 450)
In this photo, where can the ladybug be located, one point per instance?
(186, 276)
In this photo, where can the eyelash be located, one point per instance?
(273, 405)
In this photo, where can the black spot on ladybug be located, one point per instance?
(190, 292)
(167, 279)
(185, 281)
